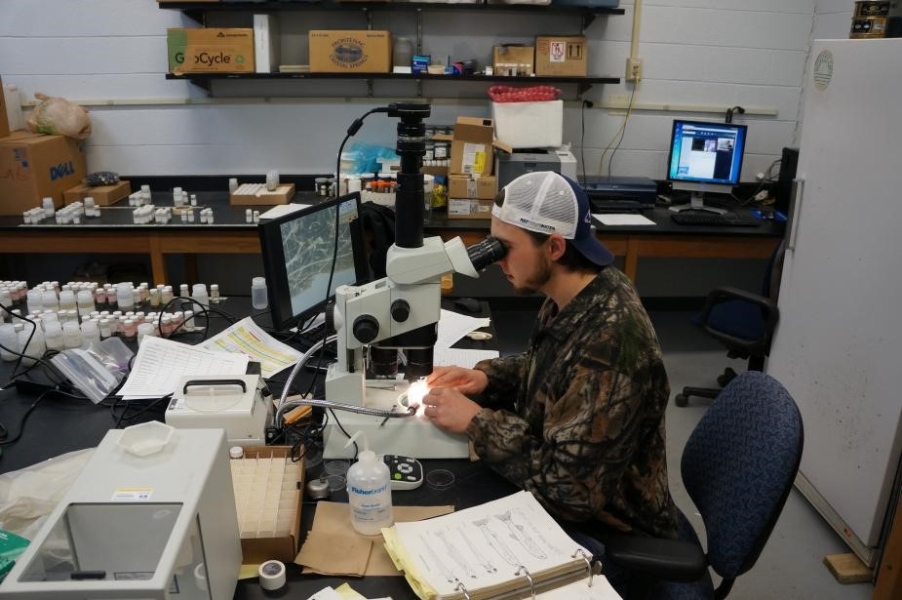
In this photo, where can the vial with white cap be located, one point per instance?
(90, 332)
(258, 293)
(32, 346)
(199, 294)
(369, 491)
(9, 342)
(71, 335)
(53, 335)
(126, 296)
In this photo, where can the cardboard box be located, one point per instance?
(473, 147)
(505, 55)
(349, 51)
(284, 548)
(104, 195)
(210, 50)
(37, 166)
(529, 124)
(561, 55)
(4, 120)
(469, 208)
(256, 194)
(464, 186)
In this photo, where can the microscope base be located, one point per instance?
(410, 436)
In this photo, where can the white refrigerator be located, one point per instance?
(838, 348)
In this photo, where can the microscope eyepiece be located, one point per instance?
(486, 252)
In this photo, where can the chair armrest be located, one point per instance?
(671, 560)
(769, 309)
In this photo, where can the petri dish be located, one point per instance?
(336, 483)
(440, 479)
(336, 467)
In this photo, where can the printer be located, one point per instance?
(620, 194)
(510, 166)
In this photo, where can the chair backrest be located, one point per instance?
(739, 465)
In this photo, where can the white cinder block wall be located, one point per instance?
(695, 52)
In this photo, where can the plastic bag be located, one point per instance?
(97, 370)
(58, 116)
(366, 156)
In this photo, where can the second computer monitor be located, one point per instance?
(298, 253)
(706, 157)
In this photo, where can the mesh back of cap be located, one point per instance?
(542, 202)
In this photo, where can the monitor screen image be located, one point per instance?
(706, 156)
(298, 251)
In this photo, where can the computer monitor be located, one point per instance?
(298, 251)
(705, 157)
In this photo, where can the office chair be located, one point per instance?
(738, 467)
(743, 322)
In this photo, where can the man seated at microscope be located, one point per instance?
(577, 419)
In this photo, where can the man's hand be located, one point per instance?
(450, 410)
(465, 381)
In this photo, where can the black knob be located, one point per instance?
(400, 310)
(329, 315)
(365, 328)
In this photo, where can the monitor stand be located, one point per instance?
(697, 202)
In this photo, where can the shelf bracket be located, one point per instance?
(369, 88)
(419, 88)
(587, 20)
(419, 31)
(582, 88)
(196, 15)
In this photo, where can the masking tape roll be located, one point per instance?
(272, 575)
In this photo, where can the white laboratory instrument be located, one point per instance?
(133, 526)
(237, 404)
(406, 302)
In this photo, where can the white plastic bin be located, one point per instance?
(529, 124)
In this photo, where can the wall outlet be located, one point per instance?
(633, 69)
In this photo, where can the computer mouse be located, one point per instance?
(468, 304)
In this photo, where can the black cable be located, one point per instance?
(154, 403)
(346, 434)
(5, 432)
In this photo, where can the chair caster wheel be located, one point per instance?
(681, 400)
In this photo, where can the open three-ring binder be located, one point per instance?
(508, 548)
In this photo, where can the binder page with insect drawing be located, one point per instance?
(488, 551)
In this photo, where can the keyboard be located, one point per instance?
(709, 218)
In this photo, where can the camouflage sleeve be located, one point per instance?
(589, 435)
(505, 376)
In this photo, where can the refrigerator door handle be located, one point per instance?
(795, 205)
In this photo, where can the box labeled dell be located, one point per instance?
(349, 51)
(37, 166)
(210, 50)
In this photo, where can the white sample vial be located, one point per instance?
(126, 296)
(85, 301)
(9, 342)
(53, 335)
(33, 349)
(106, 328)
(233, 184)
(144, 330)
(199, 294)
(90, 332)
(369, 494)
(258, 293)
(34, 300)
(71, 335)
(67, 300)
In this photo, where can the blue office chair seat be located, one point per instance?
(737, 318)
(738, 467)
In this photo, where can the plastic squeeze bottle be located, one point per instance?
(369, 492)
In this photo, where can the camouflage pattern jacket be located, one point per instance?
(578, 419)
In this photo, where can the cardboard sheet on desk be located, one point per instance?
(333, 547)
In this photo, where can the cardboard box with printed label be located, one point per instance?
(211, 50)
(469, 208)
(561, 55)
(349, 51)
(473, 147)
(104, 195)
(503, 57)
(37, 166)
(464, 186)
(4, 120)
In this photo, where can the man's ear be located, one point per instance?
(557, 245)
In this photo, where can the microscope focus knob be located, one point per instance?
(365, 328)
(400, 310)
